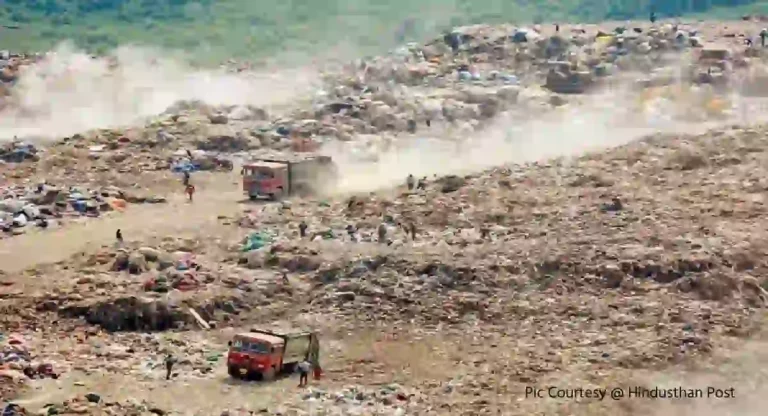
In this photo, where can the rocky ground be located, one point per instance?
(638, 265)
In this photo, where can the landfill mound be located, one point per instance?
(449, 90)
(642, 257)
(438, 285)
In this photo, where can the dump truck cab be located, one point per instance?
(263, 178)
(255, 353)
(266, 353)
(277, 178)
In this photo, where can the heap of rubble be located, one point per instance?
(447, 87)
(45, 205)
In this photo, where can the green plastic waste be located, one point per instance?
(256, 241)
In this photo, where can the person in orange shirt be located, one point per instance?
(190, 191)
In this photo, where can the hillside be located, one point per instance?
(224, 28)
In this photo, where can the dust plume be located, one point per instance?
(739, 369)
(604, 120)
(69, 91)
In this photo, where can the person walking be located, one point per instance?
(190, 190)
(304, 368)
(170, 360)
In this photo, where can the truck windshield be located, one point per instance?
(259, 173)
(240, 345)
(264, 174)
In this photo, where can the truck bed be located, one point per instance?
(286, 158)
(297, 344)
(296, 348)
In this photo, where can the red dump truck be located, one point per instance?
(277, 178)
(262, 353)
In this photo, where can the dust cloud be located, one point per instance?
(70, 91)
(739, 368)
(602, 121)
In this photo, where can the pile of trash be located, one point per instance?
(17, 364)
(483, 253)
(467, 76)
(448, 87)
(456, 84)
(388, 400)
(47, 206)
(134, 288)
(185, 275)
(178, 270)
(202, 163)
(256, 241)
(88, 404)
(14, 358)
(17, 152)
(641, 256)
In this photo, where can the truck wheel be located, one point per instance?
(234, 372)
(277, 195)
(268, 375)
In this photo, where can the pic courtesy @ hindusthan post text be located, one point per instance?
(632, 392)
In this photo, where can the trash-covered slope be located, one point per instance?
(447, 298)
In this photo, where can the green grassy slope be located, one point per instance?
(252, 28)
(734, 12)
